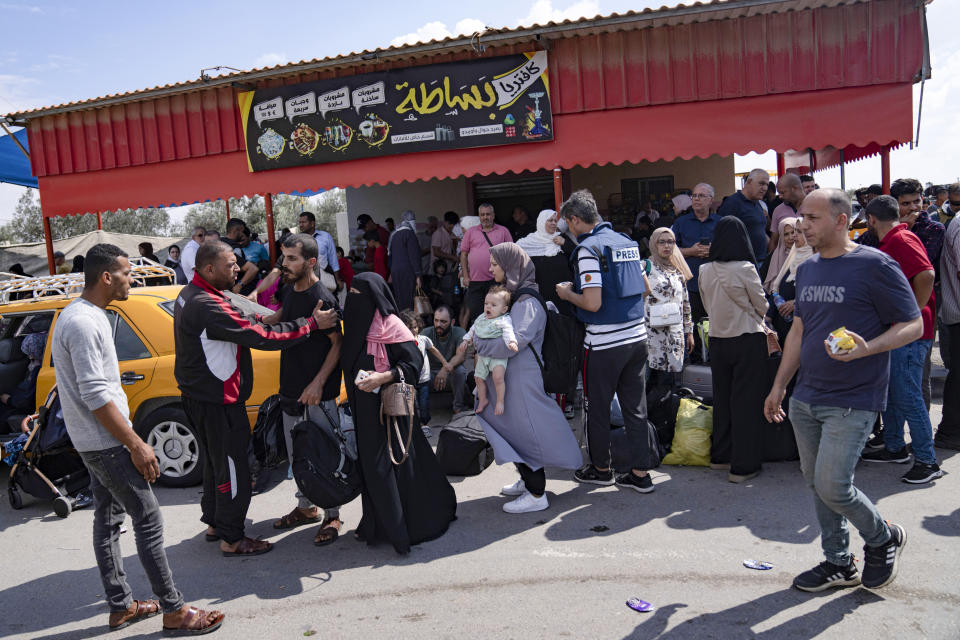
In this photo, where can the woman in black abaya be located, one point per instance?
(402, 504)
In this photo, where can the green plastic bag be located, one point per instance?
(691, 438)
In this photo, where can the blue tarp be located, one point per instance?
(14, 166)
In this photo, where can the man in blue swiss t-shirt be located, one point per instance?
(838, 395)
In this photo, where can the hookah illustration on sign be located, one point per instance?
(536, 114)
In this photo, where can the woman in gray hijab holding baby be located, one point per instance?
(532, 432)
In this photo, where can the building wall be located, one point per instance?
(431, 198)
(436, 196)
(605, 180)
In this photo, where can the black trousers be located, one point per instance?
(224, 432)
(534, 481)
(476, 292)
(698, 312)
(739, 388)
(618, 370)
(949, 429)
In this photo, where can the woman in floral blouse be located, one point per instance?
(669, 323)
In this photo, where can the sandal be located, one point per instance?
(249, 547)
(196, 622)
(295, 519)
(142, 609)
(327, 534)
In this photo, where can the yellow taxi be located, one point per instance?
(143, 335)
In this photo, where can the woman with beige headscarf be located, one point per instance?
(786, 231)
(667, 308)
(783, 288)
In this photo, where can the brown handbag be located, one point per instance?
(773, 343)
(421, 303)
(397, 401)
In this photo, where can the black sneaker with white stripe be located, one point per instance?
(922, 472)
(591, 475)
(827, 575)
(630, 481)
(875, 443)
(885, 455)
(881, 563)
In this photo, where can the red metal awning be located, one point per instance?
(809, 160)
(862, 116)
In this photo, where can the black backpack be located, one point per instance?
(325, 471)
(268, 448)
(562, 351)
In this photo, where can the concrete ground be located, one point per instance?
(561, 573)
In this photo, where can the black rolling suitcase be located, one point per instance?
(462, 447)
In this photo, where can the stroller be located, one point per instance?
(48, 467)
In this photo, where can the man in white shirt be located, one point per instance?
(189, 254)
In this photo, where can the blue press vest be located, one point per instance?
(621, 275)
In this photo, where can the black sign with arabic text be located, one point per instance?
(455, 105)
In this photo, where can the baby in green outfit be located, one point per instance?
(494, 323)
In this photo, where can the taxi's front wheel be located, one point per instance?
(176, 445)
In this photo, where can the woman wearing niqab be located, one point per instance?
(411, 502)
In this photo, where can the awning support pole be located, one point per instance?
(781, 164)
(557, 188)
(48, 240)
(843, 172)
(226, 201)
(885, 169)
(99, 222)
(271, 235)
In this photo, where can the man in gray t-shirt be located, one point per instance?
(120, 463)
(838, 394)
(453, 376)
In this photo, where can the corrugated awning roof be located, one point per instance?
(856, 116)
(356, 62)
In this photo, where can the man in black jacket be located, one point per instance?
(215, 375)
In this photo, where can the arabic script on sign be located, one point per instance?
(511, 85)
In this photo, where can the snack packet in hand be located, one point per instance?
(840, 341)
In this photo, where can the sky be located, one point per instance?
(62, 51)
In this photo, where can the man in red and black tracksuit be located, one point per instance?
(215, 375)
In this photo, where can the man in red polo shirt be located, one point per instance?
(904, 396)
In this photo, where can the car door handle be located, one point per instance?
(130, 377)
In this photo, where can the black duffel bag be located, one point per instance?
(326, 472)
(778, 440)
(462, 447)
(620, 449)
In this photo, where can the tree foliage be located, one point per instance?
(27, 222)
(286, 211)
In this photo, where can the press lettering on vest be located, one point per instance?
(822, 293)
(626, 255)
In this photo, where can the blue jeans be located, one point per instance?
(905, 402)
(830, 440)
(423, 403)
(118, 488)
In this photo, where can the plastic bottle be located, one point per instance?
(778, 300)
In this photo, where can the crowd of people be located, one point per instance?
(764, 271)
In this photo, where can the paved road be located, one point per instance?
(561, 573)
